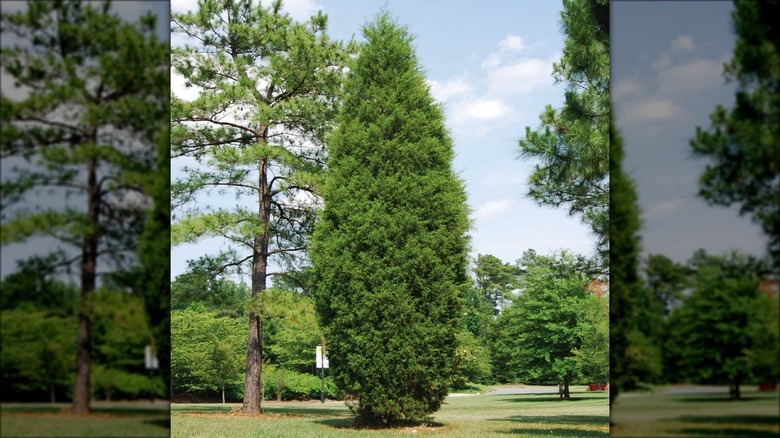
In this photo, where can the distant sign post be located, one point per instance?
(151, 363)
(322, 363)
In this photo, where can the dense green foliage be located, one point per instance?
(208, 344)
(495, 279)
(624, 224)
(86, 129)
(724, 332)
(742, 144)
(39, 342)
(390, 250)
(572, 142)
(537, 336)
(256, 131)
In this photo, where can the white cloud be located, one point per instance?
(179, 90)
(650, 110)
(696, 75)
(492, 209)
(480, 109)
(521, 76)
(625, 88)
(450, 88)
(511, 43)
(663, 208)
(300, 10)
(682, 43)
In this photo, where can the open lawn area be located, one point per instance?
(696, 411)
(108, 419)
(533, 414)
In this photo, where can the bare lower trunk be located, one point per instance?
(563, 388)
(253, 391)
(81, 388)
(223, 393)
(734, 392)
(51, 394)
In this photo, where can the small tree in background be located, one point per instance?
(391, 248)
(726, 318)
(539, 332)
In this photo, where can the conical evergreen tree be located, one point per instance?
(391, 248)
(624, 244)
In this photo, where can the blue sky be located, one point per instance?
(490, 65)
(667, 63)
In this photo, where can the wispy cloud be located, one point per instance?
(493, 209)
(663, 208)
(682, 43)
(653, 110)
(521, 76)
(626, 88)
(444, 91)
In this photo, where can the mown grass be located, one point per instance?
(108, 419)
(532, 415)
(704, 414)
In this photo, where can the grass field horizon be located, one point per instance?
(696, 410)
(534, 414)
(107, 419)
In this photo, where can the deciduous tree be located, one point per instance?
(539, 332)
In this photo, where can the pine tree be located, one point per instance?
(86, 128)
(742, 145)
(256, 130)
(573, 142)
(390, 251)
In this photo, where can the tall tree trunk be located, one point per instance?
(81, 389)
(254, 353)
(566, 379)
(223, 393)
(51, 393)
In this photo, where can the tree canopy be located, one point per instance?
(741, 145)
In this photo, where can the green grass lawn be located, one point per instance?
(108, 419)
(706, 414)
(532, 415)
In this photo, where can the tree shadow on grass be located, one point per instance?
(732, 419)
(160, 422)
(715, 398)
(536, 398)
(729, 432)
(304, 411)
(555, 432)
(557, 419)
(348, 422)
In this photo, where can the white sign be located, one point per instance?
(320, 358)
(150, 358)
